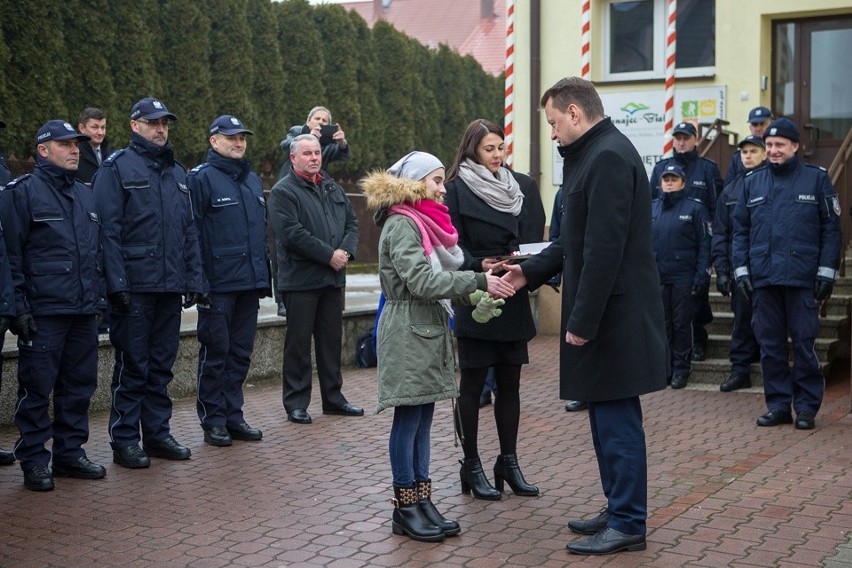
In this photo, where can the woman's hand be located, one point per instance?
(492, 264)
(497, 287)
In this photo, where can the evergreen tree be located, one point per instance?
(427, 130)
(90, 31)
(340, 78)
(231, 64)
(367, 140)
(184, 64)
(267, 82)
(134, 77)
(451, 97)
(397, 88)
(302, 61)
(37, 74)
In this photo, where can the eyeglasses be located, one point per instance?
(162, 122)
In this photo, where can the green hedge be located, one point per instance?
(266, 62)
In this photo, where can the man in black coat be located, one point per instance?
(92, 124)
(612, 313)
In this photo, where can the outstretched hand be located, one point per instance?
(514, 276)
(497, 287)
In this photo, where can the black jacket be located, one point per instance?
(485, 232)
(89, 162)
(309, 222)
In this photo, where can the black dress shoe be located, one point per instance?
(345, 410)
(131, 457)
(805, 421)
(576, 405)
(679, 380)
(243, 431)
(299, 416)
(167, 449)
(38, 478)
(217, 436)
(774, 418)
(6, 457)
(698, 352)
(608, 541)
(590, 526)
(734, 382)
(81, 468)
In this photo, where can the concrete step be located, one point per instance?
(719, 347)
(831, 327)
(715, 371)
(837, 304)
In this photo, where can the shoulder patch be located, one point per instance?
(111, 158)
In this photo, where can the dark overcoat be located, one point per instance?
(611, 289)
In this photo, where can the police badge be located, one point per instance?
(835, 204)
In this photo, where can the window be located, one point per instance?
(634, 34)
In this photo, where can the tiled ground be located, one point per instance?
(722, 492)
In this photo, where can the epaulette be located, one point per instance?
(198, 168)
(696, 200)
(17, 180)
(757, 169)
(111, 158)
(708, 160)
(817, 167)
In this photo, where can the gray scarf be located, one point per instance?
(501, 193)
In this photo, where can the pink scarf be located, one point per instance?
(433, 221)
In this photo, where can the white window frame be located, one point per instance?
(659, 56)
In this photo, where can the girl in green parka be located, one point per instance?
(418, 262)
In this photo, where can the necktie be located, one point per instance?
(98, 154)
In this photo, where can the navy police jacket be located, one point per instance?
(5, 175)
(787, 226)
(230, 213)
(150, 242)
(681, 240)
(703, 180)
(723, 224)
(52, 233)
(7, 288)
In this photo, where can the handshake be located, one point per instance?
(486, 306)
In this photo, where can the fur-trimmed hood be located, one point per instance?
(383, 190)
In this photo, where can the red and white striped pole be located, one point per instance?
(509, 110)
(671, 52)
(585, 38)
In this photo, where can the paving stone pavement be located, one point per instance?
(722, 492)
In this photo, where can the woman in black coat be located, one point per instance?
(486, 207)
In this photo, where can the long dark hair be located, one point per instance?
(473, 135)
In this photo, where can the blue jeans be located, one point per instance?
(409, 443)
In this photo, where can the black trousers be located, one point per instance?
(318, 314)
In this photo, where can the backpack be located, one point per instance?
(365, 350)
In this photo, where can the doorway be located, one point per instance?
(812, 71)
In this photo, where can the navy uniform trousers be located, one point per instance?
(226, 331)
(779, 310)
(619, 441)
(744, 347)
(146, 343)
(62, 358)
(679, 306)
(317, 313)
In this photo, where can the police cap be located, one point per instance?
(58, 130)
(228, 125)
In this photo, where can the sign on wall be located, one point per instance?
(640, 115)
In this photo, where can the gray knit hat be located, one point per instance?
(416, 166)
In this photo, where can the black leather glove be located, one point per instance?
(192, 298)
(745, 288)
(698, 291)
(24, 327)
(723, 284)
(5, 324)
(823, 289)
(119, 302)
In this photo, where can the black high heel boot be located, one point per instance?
(424, 501)
(408, 518)
(506, 469)
(473, 479)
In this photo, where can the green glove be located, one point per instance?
(487, 308)
(476, 296)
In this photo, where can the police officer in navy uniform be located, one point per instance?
(703, 182)
(786, 251)
(682, 247)
(7, 314)
(5, 175)
(744, 348)
(52, 232)
(151, 259)
(230, 213)
(758, 119)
